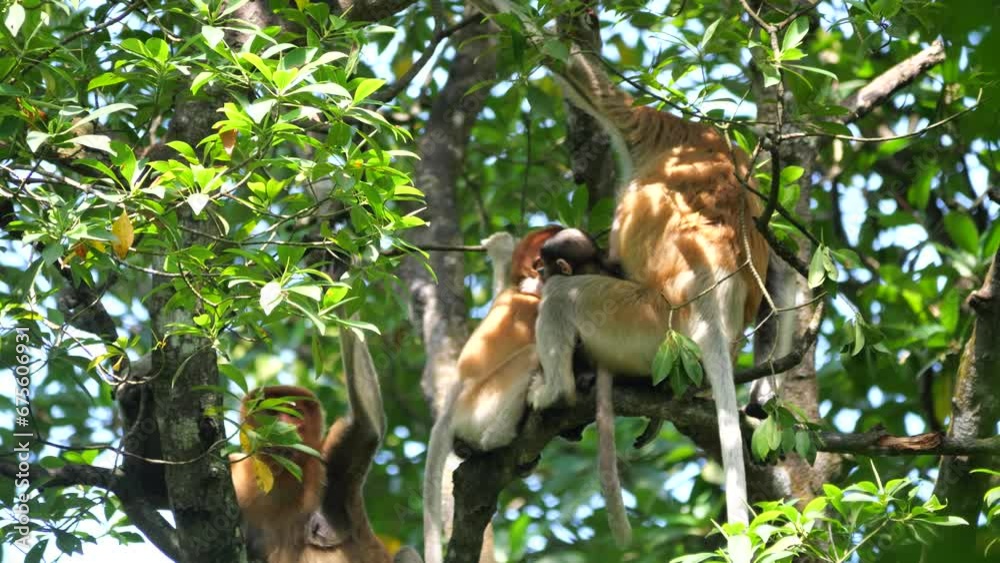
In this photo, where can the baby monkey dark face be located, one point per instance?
(571, 252)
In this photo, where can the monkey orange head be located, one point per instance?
(528, 252)
(294, 406)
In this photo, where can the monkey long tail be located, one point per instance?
(438, 447)
(607, 461)
(719, 369)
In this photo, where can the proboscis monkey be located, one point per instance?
(322, 518)
(495, 367)
(573, 252)
(682, 233)
(277, 519)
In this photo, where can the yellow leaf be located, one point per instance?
(301, 4)
(244, 441)
(261, 471)
(98, 246)
(124, 235)
(391, 543)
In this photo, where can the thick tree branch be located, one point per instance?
(880, 443)
(481, 478)
(876, 92)
(68, 475)
(975, 409)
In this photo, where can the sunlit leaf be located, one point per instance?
(366, 88)
(270, 296)
(14, 18)
(124, 235)
(212, 35)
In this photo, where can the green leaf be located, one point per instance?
(665, 359)
(101, 112)
(795, 33)
(106, 79)
(920, 192)
(771, 75)
(847, 257)
(52, 252)
(945, 521)
(859, 336)
(158, 49)
(692, 367)
(185, 149)
(828, 265)
(758, 442)
(791, 174)
(792, 55)
(962, 230)
(886, 8)
(14, 19)
(556, 49)
(212, 35)
(817, 270)
(709, 32)
(200, 80)
(366, 88)
(258, 63)
(802, 443)
(815, 70)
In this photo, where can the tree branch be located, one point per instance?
(792, 359)
(403, 81)
(975, 406)
(878, 442)
(141, 513)
(876, 92)
(481, 477)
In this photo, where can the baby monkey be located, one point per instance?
(572, 252)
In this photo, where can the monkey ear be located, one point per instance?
(564, 267)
